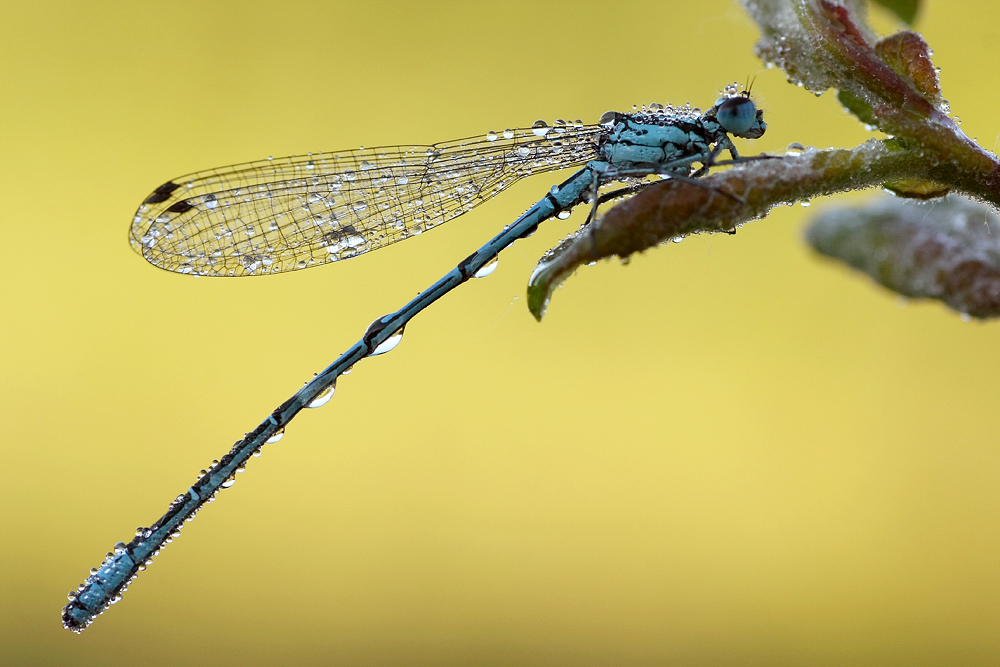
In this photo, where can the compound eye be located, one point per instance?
(736, 114)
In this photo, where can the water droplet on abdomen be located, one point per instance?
(487, 268)
(388, 345)
(323, 397)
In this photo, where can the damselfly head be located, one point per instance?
(740, 116)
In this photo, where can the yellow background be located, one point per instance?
(726, 452)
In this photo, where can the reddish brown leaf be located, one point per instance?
(908, 54)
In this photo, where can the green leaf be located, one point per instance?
(906, 10)
(858, 107)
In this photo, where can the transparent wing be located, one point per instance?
(284, 214)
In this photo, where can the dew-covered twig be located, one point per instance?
(675, 208)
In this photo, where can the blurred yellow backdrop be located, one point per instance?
(726, 452)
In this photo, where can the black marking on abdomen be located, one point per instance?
(374, 329)
(162, 193)
(555, 202)
(463, 266)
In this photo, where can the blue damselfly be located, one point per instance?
(279, 215)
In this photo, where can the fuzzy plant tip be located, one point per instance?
(889, 84)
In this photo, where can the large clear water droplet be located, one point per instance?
(508, 134)
(540, 128)
(278, 435)
(795, 148)
(487, 268)
(491, 136)
(562, 215)
(120, 548)
(388, 345)
(323, 397)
